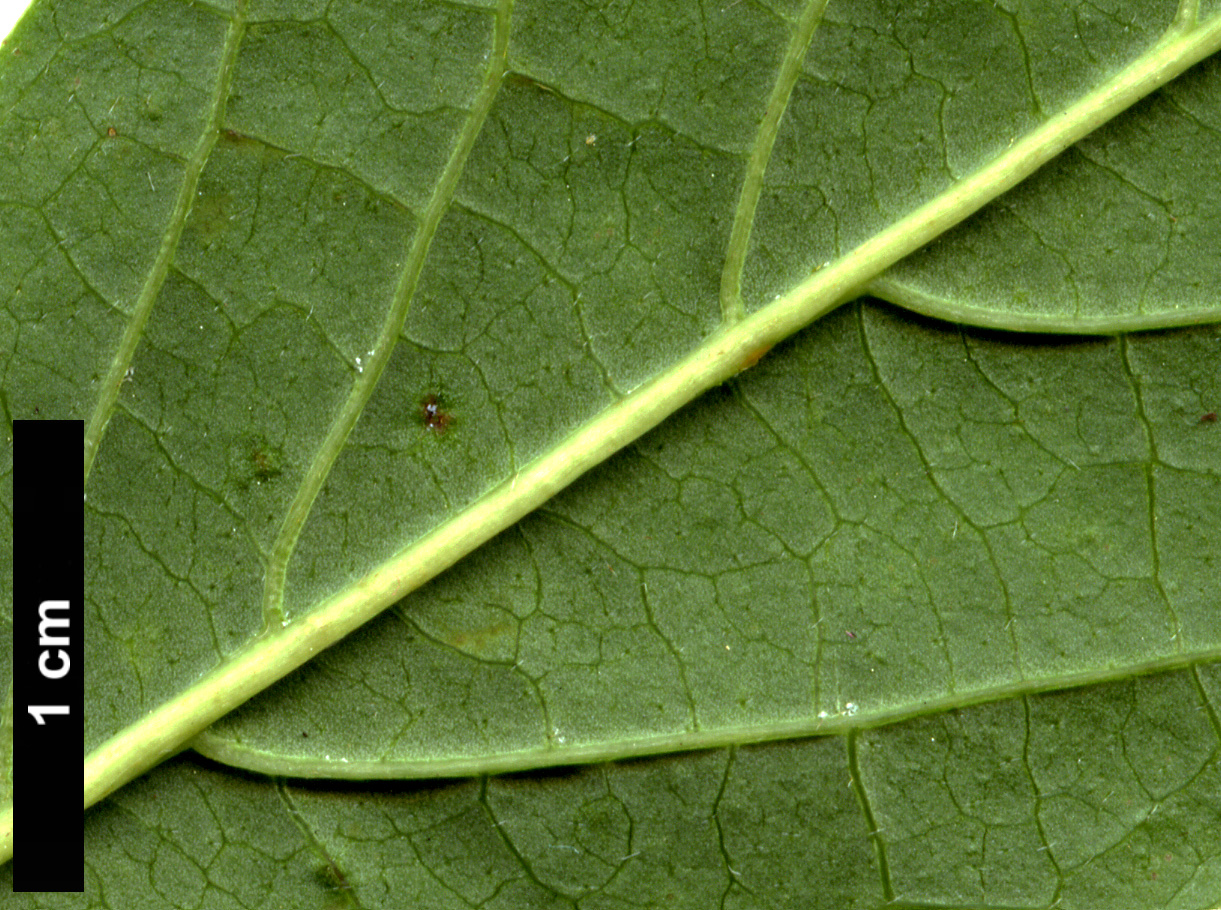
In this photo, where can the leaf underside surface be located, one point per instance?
(921, 610)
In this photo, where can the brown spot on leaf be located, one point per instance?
(267, 462)
(434, 415)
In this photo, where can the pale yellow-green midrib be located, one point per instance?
(168, 728)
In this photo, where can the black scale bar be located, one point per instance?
(48, 655)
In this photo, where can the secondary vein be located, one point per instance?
(108, 395)
(379, 356)
(765, 139)
(270, 657)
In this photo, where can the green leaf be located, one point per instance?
(345, 291)
(1100, 796)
